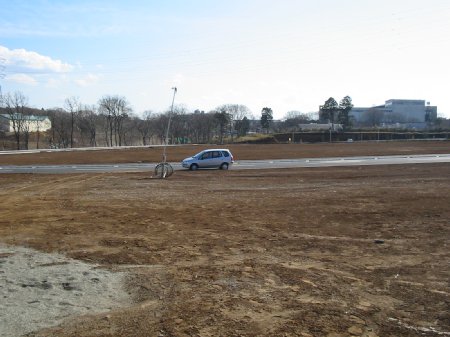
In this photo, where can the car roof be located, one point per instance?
(216, 150)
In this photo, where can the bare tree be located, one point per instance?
(87, 123)
(15, 106)
(236, 112)
(179, 128)
(202, 126)
(60, 128)
(126, 132)
(145, 126)
(116, 110)
(242, 126)
(161, 121)
(73, 106)
(292, 119)
(222, 119)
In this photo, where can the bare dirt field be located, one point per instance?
(153, 154)
(338, 251)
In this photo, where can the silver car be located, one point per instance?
(211, 158)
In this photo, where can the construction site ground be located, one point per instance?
(334, 252)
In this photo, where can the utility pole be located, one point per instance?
(168, 126)
(164, 170)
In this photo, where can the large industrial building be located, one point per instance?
(396, 111)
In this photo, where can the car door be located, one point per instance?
(205, 159)
(216, 158)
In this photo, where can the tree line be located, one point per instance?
(333, 113)
(112, 122)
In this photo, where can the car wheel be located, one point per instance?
(194, 167)
(224, 166)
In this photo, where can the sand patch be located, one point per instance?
(39, 290)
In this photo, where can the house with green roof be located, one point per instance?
(29, 123)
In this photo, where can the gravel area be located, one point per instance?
(39, 290)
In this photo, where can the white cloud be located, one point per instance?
(22, 78)
(21, 60)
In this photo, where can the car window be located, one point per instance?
(216, 154)
(206, 155)
(225, 154)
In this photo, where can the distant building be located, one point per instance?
(29, 123)
(320, 127)
(396, 111)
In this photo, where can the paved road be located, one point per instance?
(239, 165)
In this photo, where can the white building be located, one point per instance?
(398, 111)
(28, 123)
(320, 127)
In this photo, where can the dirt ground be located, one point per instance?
(338, 251)
(153, 154)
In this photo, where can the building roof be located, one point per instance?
(26, 117)
(410, 101)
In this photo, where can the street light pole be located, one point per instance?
(168, 126)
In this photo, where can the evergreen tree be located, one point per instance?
(266, 118)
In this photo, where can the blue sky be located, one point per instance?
(284, 54)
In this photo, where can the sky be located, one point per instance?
(289, 55)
